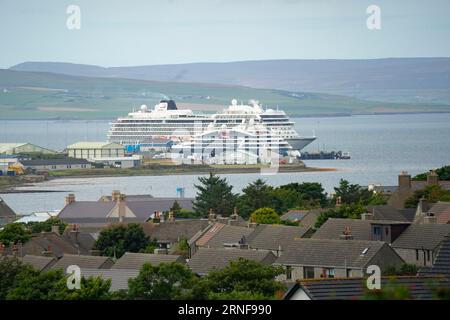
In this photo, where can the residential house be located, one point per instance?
(419, 243)
(361, 229)
(407, 186)
(52, 244)
(7, 215)
(83, 261)
(274, 238)
(441, 266)
(206, 260)
(135, 261)
(305, 218)
(219, 235)
(420, 288)
(39, 263)
(56, 164)
(170, 232)
(321, 258)
(101, 214)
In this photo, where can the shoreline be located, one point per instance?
(293, 115)
(11, 189)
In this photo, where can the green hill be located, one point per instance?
(39, 95)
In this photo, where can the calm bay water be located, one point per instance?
(381, 146)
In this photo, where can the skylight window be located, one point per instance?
(364, 251)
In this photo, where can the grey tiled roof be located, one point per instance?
(273, 237)
(136, 260)
(119, 277)
(92, 262)
(91, 212)
(39, 263)
(418, 236)
(385, 212)
(219, 234)
(441, 210)
(176, 230)
(59, 245)
(334, 227)
(420, 288)
(441, 265)
(208, 259)
(330, 253)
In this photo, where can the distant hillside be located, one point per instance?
(409, 80)
(37, 95)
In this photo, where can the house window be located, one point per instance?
(68, 166)
(328, 273)
(417, 254)
(53, 167)
(349, 273)
(386, 231)
(288, 273)
(308, 272)
(428, 255)
(377, 230)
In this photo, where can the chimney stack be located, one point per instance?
(338, 201)
(55, 229)
(432, 178)
(404, 181)
(423, 205)
(429, 219)
(48, 252)
(116, 195)
(171, 217)
(70, 198)
(212, 215)
(367, 216)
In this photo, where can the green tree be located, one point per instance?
(46, 226)
(256, 195)
(118, 239)
(443, 174)
(242, 277)
(166, 281)
(285, 199)
(10, 267)
(214, 193)
(265, 216)
(405, 270)
(91, 288)
(432, 194)
(13, 233)
(176, 208)
(311, 192)
(389, 291)
(352, 193)
(345, 211)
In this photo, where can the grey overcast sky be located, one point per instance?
(143, 32)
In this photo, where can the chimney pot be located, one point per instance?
(70, 198)
(432, 178)
(55, 229)
(404, 180)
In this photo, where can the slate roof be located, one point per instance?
(50, 162)
(441, 265)
(220, 234)
(59, 245)
(92, 262)
(119, 277)
(135, 261)
(418, 236)
(420, 288)
(5, 210)
(207, 259)
(174, 231)
(87, 212)
(334, 227)
(306, 218)
(330, 253)
(274, 237)
(386, 212)
(441, 210)
(39, 263)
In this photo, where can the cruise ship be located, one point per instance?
(247, 142)
(166, 121)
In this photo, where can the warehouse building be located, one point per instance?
(95, 150)
(56, 164)
(18, 148)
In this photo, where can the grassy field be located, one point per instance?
(30, 95)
